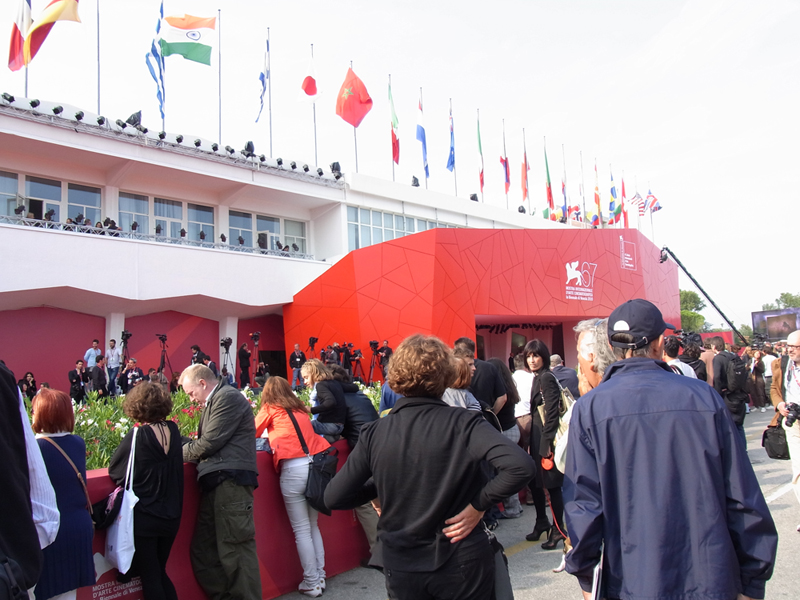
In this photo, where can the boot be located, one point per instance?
(538, 529)
(553, 539)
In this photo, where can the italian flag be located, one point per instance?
(188, 36)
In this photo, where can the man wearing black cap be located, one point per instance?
(657, 480)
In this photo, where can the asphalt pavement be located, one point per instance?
(531, 568)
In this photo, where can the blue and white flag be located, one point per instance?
(154, 56)
(263, 77)
(451, 160)
(421, 138)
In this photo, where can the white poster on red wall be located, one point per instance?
(107, 586)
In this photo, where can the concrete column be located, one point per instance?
(110, 206)
(221, 226)
(115, 323)
(229, 327)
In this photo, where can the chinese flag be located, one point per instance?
(353, 102)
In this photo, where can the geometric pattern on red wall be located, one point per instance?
(438, 281)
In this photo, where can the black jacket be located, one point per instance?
(295, 362)
(99, 381)
(424, 462)
(331, 406)
(359, 412)
(698, 365)
(77, 381)
(735, 401)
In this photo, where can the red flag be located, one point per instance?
(504, 162)
(624, 206)
(57, 10)
(525, 168)
(353, 102)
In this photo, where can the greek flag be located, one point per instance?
(263, 77)
(155, 57)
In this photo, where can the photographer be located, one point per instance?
(296, 362)
(130, 376)
(78, 378)
(385, 353)
(785, 394)
(244, 365)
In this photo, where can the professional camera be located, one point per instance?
(758, 341)
(226, 343)
(162, 337)
(312, 342)
(255, 336)
(126, 335)
(357, 354)
(794, 413)
(373, 344)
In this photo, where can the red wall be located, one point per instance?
(182, 331)
(281, 573)
(437, 281)
(271, 328)
(47, 342)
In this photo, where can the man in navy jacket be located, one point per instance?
(657, 477)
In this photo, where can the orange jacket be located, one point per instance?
(282, 435)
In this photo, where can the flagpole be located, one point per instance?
(355, 129)
(269, 92)
(98, 56)
(480, 147)
(455, 179)
(314, 112)
(391, 108)
(527, 192)
(583, 191)
(652, 228)
(636, 191)
(219, 70)
(505, 156)
(422, 110)
(615, 204)
(26, 81)
(564, 190)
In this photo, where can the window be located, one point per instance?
(200, 218)
(241, 224)
(295, 234)
(366, 227)
(133, 207)
(269, 231)
(83, 200)
(8, 193)
(43, 195)
(169, 217)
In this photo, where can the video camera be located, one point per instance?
(162, 337)
(373, 344)
(357, 354)
(255, 336)
(312, 341)
(126, 335)
(226, 343)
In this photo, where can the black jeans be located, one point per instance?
(150, 562)
(470, 578)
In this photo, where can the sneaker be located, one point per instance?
(763, 409)
(322, 584)
(314, 592)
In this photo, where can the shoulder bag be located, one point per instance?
(321, 469)
(77, 472)
(562, 434)
(119, 539)
(11, 578)
(774, 441)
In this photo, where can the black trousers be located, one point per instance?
(150, 563)
(459, 578)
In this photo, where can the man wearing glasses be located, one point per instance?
(785, 391)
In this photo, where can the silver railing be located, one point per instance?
(287, 252)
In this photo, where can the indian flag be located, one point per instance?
(191, 37)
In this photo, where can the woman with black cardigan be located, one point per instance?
(157, 481)
(545, 404)
(328, 402)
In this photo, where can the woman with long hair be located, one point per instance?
(277, 401)
(27, 385)
(68, 562)
(157, 481)
(508, 425)
(545, 407)
(327, 395)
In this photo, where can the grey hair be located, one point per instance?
(555, 360)
(596, 342)
(194, 373)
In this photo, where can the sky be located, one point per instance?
(696, 100)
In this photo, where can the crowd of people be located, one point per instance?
(656, 478)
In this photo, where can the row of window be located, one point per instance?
(167, 217)
(366, 227)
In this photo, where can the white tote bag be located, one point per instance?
(119, 537)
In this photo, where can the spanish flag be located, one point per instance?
(57, 10)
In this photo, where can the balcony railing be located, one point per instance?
(162, 239)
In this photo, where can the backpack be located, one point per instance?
(736, 373)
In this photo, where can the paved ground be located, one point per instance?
(531, 567)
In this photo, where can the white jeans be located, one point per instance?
(793, 441)
(294, 475)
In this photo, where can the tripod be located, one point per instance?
(372, 364)
(310, 351)
(358, 370)
(124, 351)
(227, 360)
(164, 359)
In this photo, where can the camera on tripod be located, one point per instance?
(794, 413)
(357, 354)
(226, 343)
(162, 337)
(312, 341)
(255, 336)
(126, 335)
(373, 344)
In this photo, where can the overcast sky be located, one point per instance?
(696, 99)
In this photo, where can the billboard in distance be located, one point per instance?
(775, 325)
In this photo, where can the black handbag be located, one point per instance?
(774, 441)
(11, 579)
(321, 469)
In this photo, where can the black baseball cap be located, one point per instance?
(640, 319)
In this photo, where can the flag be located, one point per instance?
(624, 204)
(421, 138)
(263, 77)
(525, 168)
(395, 134)
(57, 10)
(594, 220)
(564, 208)
(614, 209)
(16, 56)
(480, 152)
(656, 207)
(308, 88)
(188, 36)
(550, 212)
(353, 102)
(504, 162)
(597, 195)
(451, 160)
(649, 201)
(575, 213)
(154, 56)
(638, 202)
